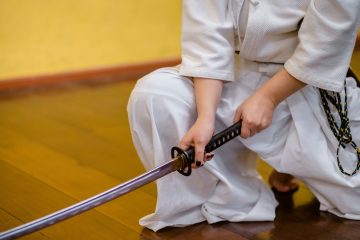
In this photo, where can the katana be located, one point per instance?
(181, 161)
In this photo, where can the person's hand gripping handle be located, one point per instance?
(216, 141)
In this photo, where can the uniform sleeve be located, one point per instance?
(326, 41)
(207, 40)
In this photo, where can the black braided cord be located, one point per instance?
(342, 132)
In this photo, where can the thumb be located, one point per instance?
(185, 144)
(245, 129)
(238, 114)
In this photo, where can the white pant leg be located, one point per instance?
(337, 193)
(161, 109)
(300, 142)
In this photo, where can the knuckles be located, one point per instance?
(256, 125)
(251, 127)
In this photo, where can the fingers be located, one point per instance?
(245, 129)
(201, 157)
(238, 114)
(209, 156)
(185, 143)
(249, 129)
(251, 123)
(199, 153)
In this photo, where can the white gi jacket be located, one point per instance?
(318, 54)
(299, 141)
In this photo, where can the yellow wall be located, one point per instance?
(50, 36)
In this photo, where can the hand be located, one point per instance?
(198, 136)
(255, 114)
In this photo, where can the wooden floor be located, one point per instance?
(60, 146)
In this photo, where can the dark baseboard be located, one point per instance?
(99, 75)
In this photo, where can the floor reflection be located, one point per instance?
(293, 221)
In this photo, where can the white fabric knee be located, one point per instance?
(161, 109)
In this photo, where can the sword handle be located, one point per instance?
(216, 141)
(223, 137)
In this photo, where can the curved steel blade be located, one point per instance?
(94, 201)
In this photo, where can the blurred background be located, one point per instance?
(41, 37)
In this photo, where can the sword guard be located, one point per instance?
(187, 158)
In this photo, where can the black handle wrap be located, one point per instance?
(216, 141)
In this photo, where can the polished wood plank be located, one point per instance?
(198, 231)
(27, 198)
(70, 177)
(295, 222)
(8, 221)
(78, 126)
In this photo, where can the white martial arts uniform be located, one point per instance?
(269, 35)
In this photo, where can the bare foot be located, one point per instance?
(283, 182)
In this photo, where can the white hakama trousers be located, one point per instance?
(228, 188)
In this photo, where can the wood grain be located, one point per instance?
(28, 198)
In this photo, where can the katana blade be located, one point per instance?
(115, 192)
(181, 162)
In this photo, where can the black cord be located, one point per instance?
(342, 132)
